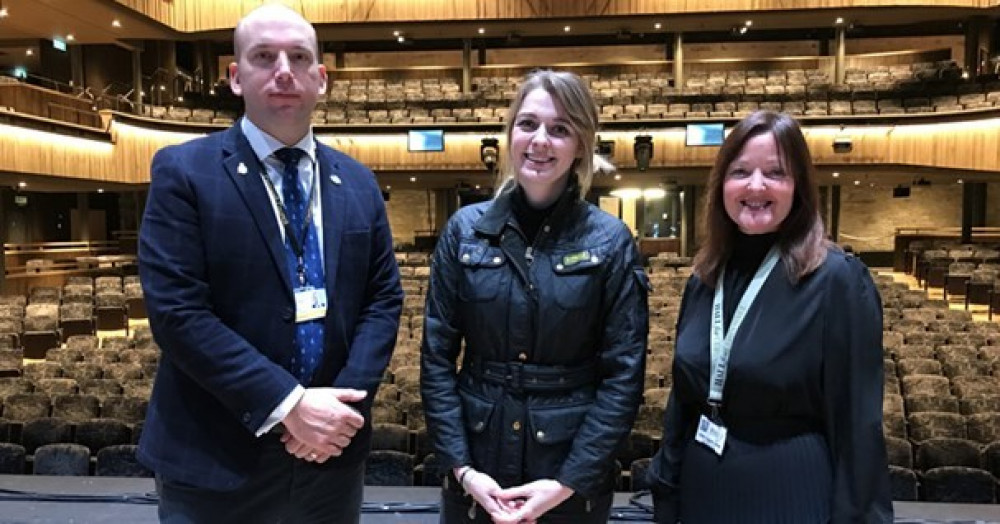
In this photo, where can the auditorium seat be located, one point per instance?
(100, 388)
(14, 385)
(980, 404)
(637, 445)
(80, 371)
(983, 428)
(43, 431)
(127, 409)
(56, 386)
(934, 403)
(429, 471)
(900, 452)
(638, 472)
(11, 362)
(62, 459)
(109, 307)
(958, 484)
(119, 460)
(12, 459)
(26, 406)
(389, 468)
(391, 437)
(85, 342)
(76, 408)
(122, 371)
(99, 433)
(116, 343)
(938, 452)
(903, 483)
(927, 425)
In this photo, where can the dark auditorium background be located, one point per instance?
(899, 101)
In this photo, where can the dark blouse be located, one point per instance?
(802, 400)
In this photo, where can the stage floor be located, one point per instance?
(119, 491)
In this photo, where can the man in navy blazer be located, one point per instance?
(233, 433)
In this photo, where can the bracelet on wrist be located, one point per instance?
(461, 476)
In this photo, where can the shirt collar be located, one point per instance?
(264, 145)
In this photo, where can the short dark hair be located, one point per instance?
(801, 235)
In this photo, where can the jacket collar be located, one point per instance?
(500, 213)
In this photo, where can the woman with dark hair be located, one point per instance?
(549, 296)
(775, 415)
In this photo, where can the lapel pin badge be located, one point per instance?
(242, 169)
(335, 179)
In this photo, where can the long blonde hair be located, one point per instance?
(572, 93)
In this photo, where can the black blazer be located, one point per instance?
(213, 270)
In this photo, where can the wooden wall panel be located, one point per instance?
(203, 15)
(971, 145)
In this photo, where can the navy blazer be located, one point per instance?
(220, 303)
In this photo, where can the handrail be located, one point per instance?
(945, 230)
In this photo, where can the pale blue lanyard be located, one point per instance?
(722, 339)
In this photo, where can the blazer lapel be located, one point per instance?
(332, 192)
(245, 171)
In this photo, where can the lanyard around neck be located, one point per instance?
(722, 339)
(298, 246)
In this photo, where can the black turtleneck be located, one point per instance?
(747, 254)
(529, 218)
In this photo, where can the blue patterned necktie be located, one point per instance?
(309, 335)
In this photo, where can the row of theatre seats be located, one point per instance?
(941, 407)
(887, 90)
(79, 411)
(967, 272)
(49, 316)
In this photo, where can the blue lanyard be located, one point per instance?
(722, 339)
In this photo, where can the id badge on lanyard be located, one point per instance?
(711, 431)
(310, 303)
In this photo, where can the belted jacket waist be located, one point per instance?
(519, 377)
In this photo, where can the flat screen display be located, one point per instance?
(705, 134)
(425, 140)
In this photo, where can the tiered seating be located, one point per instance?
(942, 403)
(923, 87)
(970, 272)
(183, 114)
(88, 394)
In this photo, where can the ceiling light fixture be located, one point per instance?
(3, 10)
(566, 29)
(116, 23)
(481, 30)
(70, 37)
(657, 26)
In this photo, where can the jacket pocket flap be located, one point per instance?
(479, 255)
(554, 425)
(476, 411)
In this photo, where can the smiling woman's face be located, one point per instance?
(543, 146)
(757, 191)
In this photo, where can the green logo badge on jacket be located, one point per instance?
(573, 259)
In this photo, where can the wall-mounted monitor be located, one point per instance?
(705, 134)
(425, 140)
